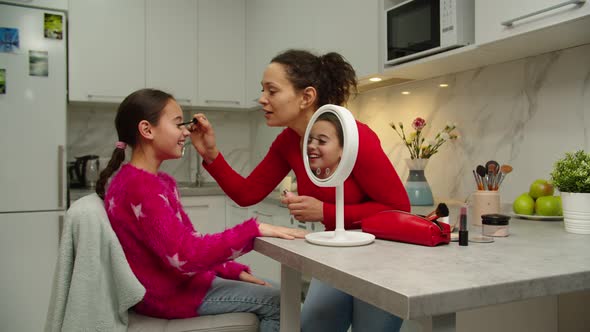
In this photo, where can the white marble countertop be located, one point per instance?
(538, 258)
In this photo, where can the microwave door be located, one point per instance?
(412, 27)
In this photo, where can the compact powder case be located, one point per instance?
(495, 224)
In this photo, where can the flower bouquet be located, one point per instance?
(416, 143)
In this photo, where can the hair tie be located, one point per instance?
(121, 145)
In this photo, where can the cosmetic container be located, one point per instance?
(463, 232)
(495, 224)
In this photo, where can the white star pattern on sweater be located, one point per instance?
(179, 216)
(235, 253)
(112, 204)
(175, 262)
(190, 274)
(137, 211)
(196, 234)
(165, 199)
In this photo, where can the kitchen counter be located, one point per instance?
(416, 282)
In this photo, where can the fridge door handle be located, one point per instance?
(60, 176)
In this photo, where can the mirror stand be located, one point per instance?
(340, 237)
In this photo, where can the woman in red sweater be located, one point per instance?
(294, 85)
(185, 273)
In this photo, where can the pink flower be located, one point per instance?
(418, 123)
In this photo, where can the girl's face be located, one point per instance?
(169, 136)
(280, 102)
(323, 149)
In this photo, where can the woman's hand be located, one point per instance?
(247, 277)
(304, 208)
(281, 232)
(203, 138)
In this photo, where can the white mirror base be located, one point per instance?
(340, 238)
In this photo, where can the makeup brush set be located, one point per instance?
(490, 176)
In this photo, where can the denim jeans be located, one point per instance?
(238, 296)
(327, 309)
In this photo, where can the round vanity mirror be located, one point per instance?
(329, 153)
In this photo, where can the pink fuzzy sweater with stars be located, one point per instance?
(174, 262)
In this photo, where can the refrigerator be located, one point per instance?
(33, 65)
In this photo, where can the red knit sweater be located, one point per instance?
(172, 261)
(372, 187)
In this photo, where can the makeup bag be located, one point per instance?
(406, 227)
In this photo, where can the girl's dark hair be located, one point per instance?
(334, 120)
(144, 104)
(330, 74)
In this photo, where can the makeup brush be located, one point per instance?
(504, 170)
(193, 121)
(478, 181)
(481, 171)
(491, 176)
(442, 210)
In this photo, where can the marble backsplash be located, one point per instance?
(91, 130)
(526, 113)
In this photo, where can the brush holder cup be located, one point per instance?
(483, 202)
(417, 186)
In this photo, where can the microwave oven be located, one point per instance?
(418, 28)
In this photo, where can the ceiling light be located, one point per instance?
(443, 85)
(405, 92)
(375, 79)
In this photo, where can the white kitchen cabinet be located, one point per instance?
(271, 27)
(171, 48)
(106, 49)
(489, 16)
(351, 28)
(207, 213)
(52, 4)
(28, 252)
(221, 53)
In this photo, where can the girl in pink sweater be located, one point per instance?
(185, 273)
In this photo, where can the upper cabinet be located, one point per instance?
(349, 27)
(171, 48)
(192, 49)
(271, 27)
(496, 20)
(222, 53)
(106, 49)
(51, 4)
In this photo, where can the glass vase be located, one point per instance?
(417, 186)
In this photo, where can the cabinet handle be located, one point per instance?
(263, 214)
(185, 100)
(509, 23)
(60, 176)
(213, 101)
(103, 97)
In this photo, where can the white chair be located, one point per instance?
(94, 288)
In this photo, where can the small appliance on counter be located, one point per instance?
(84, 172)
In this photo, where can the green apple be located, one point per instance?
(524, 204)
(541, 188)
(548, 206)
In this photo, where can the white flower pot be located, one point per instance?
(576, 212)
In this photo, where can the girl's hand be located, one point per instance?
(304, 208)
(281, 232)
(203, 138)
(247, 277)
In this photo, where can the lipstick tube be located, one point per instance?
(463, 233)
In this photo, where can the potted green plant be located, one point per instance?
(571, 175)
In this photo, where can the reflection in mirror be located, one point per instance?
(324, 145)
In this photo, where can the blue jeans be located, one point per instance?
(238, 296)
(327, 309)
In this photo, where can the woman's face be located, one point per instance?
(169, 136)
(280, 102)
(323, 149)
